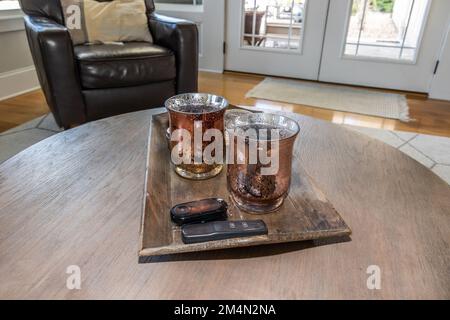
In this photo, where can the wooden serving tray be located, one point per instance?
(305, 215)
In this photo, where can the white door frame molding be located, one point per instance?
(210, 19)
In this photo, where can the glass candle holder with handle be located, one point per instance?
(196, 130)
(259, 157)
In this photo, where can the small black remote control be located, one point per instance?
(199, 211)
(220, 230)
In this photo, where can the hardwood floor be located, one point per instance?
(431, 116)
(21, 109)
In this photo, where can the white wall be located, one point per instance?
(17, 72)
(14, 52)
(210, 19)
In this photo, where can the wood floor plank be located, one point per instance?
(21, 109)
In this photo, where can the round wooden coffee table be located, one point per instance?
(75, 199)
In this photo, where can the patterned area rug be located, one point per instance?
(431, 151)
(21, 137)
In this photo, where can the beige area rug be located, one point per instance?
(334, 97)
(431, 151)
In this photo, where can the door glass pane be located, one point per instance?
(275, 24)
(387, 29)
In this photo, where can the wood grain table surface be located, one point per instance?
(76, 199)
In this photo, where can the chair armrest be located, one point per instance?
(52, 51)
(180, 36)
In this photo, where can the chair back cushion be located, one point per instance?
(95, 22)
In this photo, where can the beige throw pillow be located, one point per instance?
(90, 21)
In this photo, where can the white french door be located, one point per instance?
(282, 38)
(379, 43)
(395, 46)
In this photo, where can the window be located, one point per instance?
(389, 29)
(9, 5)
(275, 24)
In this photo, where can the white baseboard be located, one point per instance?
(16, 82)
(210, 70)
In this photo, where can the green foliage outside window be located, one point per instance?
(383, 5)
(375, 5)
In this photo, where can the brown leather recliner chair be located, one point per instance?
(89, 82)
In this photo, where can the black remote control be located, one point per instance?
(199, 211)
(220, 230)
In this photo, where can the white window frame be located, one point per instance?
(385, 60)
